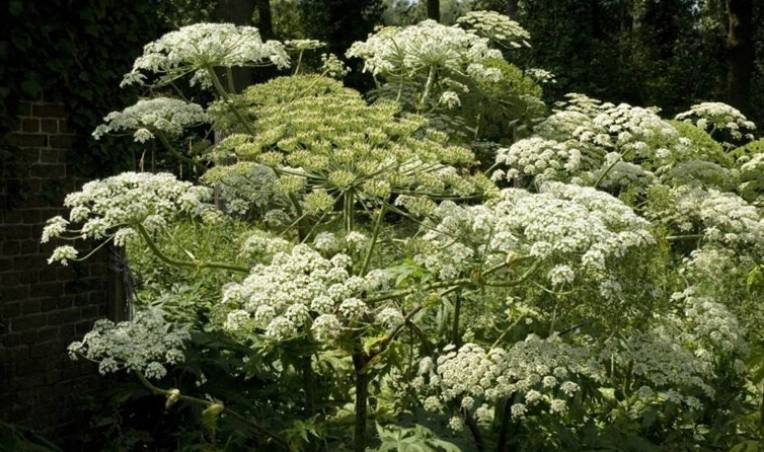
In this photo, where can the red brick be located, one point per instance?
(29, 322)
(29, 141)
(48, 289)
(63, 126)
(30, 125)
(49, 111)
(61, 141)
(24, 109)
(49, 125)
(52, 156)
(48, 171)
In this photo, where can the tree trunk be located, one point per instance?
(433, 10)
(265, 19)
(237, 12)
(740, 52)
(512, 9)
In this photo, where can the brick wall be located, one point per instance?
(43, 307)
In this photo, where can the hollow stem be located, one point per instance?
(179, 263)
(361, 399)
(228, 101)
(374, 237)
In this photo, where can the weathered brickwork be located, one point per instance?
(42, 307)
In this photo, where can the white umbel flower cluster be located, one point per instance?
(539, 158)
(497, 27)
(414, 49)
(299, 293)
(200, 47)
(719, 117)
(146, 344)
(544, 372)
(115, 206)
(723, 217)
(149, 116)
(563, 224)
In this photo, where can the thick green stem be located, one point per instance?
(502, 444)
(361, 398)
(307, 376)
(427, 87)
(374, 237)
(475, 431)
(228, 101)
(206, 403)
(175, 152)
(455, 337)
(299, 63)
(348, 211)
(179, 263)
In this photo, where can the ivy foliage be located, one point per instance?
(76, 53)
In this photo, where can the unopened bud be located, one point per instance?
(173, 395)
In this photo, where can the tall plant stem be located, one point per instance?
(455, 329)
(179, 263)
(374, 237)
(175, 152)
(427, 87)
(228, 101)
(347, 211)
(475, 431)
(361, 399)
(307, 376)
(156, 390)
(502, 444)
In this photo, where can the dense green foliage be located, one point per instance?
(465, 256)
(73, 54)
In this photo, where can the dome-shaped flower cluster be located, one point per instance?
(302, 293)
(719, 117)
(330, 141)
(200, 47)
(539, 158)
(545, 373)
(562, 224)
(113, 207)
(150, 116)
(497, 27)
(721, 217)
(146, 344)
(413, 49)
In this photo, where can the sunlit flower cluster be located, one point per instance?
(196, 49)
(716, 117)
(721, 217)
(114, 207)
(545, 373)
(333, 67)
(579, 226)
(415, 49)
(150, 116)
(539, 158)
(302, 293)
(146, 344)
(497, 27)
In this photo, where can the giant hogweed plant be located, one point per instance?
(341, 265)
